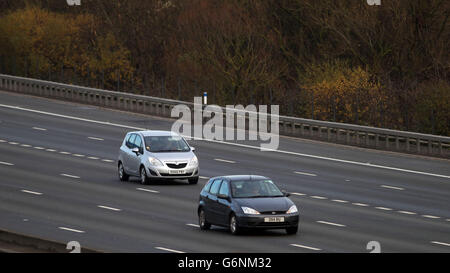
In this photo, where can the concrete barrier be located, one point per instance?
(17, 242)
(342, 133)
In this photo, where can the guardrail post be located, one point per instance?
(418, 145)
(407, 144)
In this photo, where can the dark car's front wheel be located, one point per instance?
(234, 227)
(122, 175)
(292, 230)
(204, 225)
(193, 181)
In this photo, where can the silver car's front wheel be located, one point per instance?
(144, 178)
(122, 175)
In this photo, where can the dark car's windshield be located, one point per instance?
(254, 189)
(165, 144)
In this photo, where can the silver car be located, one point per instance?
(157, 155)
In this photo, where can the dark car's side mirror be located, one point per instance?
(286, 194)
(223, 196)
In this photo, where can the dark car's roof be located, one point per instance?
(242, 177)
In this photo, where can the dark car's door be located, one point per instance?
(223, 204)
(211, 212)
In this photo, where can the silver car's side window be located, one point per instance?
(138, 142)
(131, 141)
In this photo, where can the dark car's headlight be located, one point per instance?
(292, 209)
(248, 210)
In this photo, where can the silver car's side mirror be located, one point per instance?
(193, 149)
(135, 150)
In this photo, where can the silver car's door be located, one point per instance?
(127, 155)
(135, 158)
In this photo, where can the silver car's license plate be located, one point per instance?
(273, 219)
(177, 171)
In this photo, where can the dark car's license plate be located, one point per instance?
(273, 219)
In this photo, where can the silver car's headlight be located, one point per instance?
(155, 161)
(292, 209)
(248, 210)
(194, 161)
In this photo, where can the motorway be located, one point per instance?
(58, 180)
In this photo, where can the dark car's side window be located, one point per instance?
(215, 186)
(130, 141)
(224, 189)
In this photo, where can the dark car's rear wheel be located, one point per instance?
(122, 175)
(144, 178)
(193, 181)
(234, 227)
(292, 230)
(204, 225)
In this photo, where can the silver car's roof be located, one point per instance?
(157, 133)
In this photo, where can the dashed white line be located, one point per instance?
(71, 229)
(13, 143)
(38, 148)
(392, 187)
(168, 249)
(50, 150)
(307, 247)
(2, 141)
(224, 160)
(65, 153)
(330, 223)
(440, 243)
(318, 197)
(31, 192)
(6, 163)
(203, 177)
(96, 138)
(383, 208)
(193, 225)
(70, 176)
(39, 129)
(360, 204)
(107, 160)
(298, 193)
(78, 155)
(147, 190)
(308, 174)
(431, 216)
(25, 145)
(109, 208)
(406, 212)
(93, 157)
(339, 201)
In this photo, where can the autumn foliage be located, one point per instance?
(342, 61)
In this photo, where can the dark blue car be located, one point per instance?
(244, 202)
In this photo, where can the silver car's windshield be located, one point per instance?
(254, 189)
(165, 144)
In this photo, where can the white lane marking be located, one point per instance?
(234, 144)
(360, 204)
(318, 197)
(147, 190)
(93, 157)
(39, 129)
(96, 138)
(448, 220)
(339, 201)
(193, 225)
(383, 208)
(308, 174)
(71, 229)
(2, 141)
(331, 224)
(392, 187)
(31, 192)
(78, 155)
(203, 177)
(6, 163)
(347, 180)
(440, 243)
(431, 216)
(224, 160)
(109, 208)
(406, 212)
(38, 148)
(169, 250)
(65, 153)
(25, 145)
(298, 193)
(13, 143)
(307, 247)
(107, 160)
(70, 176)
(50, 150)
